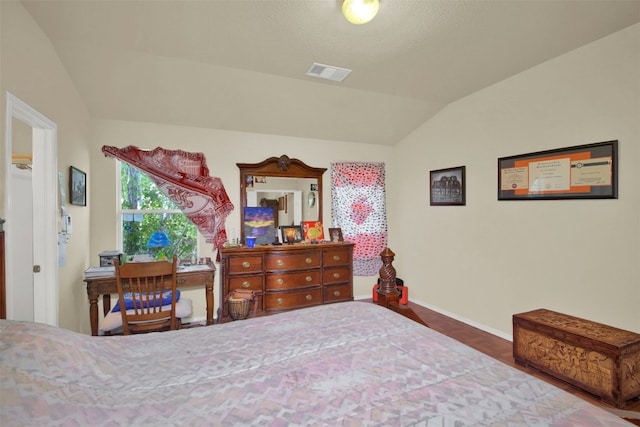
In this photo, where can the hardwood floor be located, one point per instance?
(502, 350)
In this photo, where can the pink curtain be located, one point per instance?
(184, 178)
(358, 208)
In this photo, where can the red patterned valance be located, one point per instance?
(184, 178)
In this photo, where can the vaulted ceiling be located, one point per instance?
(240, 65)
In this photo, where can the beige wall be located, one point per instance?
(31, 70)
(491, 259)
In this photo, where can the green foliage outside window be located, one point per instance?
(145, 210)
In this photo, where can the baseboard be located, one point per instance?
(500, 334)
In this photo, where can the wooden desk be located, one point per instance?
(188, 277)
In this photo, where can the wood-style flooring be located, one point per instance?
(502, 350)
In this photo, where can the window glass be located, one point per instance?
(150, 221)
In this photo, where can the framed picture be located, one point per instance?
(291, 233)
(259, 222)
(447, 187)
(336, 235)
(77, 186)
(580, 172)
(312, 230)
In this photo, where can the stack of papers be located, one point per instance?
(92, 272)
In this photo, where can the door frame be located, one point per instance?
(45, 200)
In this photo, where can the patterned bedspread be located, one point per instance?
(348, 364)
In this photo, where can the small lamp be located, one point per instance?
(360, 11)
(290, 233)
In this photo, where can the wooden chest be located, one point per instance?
(600, 359)
(288, 276)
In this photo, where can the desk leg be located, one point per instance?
(208, 288)
(93, 314)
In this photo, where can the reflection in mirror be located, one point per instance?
(286, 195)
(287, 185)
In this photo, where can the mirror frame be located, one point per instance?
(282, 167)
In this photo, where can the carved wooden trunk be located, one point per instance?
(600, 359)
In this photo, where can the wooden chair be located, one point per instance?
(148, 292)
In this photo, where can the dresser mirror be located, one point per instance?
(287, 185)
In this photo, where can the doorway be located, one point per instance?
(31, 239)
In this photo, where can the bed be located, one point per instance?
(348, 364)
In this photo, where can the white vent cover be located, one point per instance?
(328, 72)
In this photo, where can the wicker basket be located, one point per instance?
(239, 308)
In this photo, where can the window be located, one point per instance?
(150, 221)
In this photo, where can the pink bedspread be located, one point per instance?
(347, 364)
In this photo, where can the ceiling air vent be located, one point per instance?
(328, 72)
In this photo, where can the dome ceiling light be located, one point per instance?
(360, 11)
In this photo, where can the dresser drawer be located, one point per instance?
(275, 262)
(337, 293)
(245, 264)
(298, 299)
(336, 256)
(253, 283)
(337, 275)
(293, 280)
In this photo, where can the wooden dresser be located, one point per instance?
(288, 276)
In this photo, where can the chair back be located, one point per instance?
(145, 284)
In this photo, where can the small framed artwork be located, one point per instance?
(77, 186)
(259, 222)
(580, 172)
(336, 235)
(447, 187)
(312, 230)
(291, 233)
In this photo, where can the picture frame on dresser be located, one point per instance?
(335, 235)
(312, 230)
(291, 233)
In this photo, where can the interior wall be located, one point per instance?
(222, 149)
(32, 71)
(487, 260)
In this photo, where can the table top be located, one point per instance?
(95, 273)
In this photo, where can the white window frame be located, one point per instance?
(121, 212)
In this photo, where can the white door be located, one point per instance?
(31, 217)
(22, 259)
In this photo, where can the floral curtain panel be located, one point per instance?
(184, 178)
(358, 207)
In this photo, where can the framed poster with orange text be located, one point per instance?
(581, 172)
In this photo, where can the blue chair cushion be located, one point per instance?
(128, 300)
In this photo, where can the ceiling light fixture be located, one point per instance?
(360, 11)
